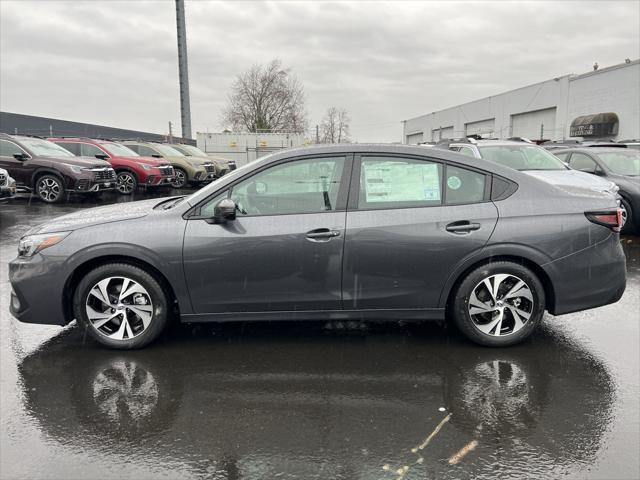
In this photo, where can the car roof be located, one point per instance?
(592, 150)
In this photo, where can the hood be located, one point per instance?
(626, 182)
(154, 162)
(99, 215)
(200, 160)
(85, 162)
(570, 180)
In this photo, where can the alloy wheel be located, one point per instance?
(126, 183)
(624, 213)
(119, 308)
(501, 305)
(49, 189)
(180, 179)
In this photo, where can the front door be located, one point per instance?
(410, 221)
(283, 252)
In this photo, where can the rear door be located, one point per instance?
(19, 170)
(409, 222)
(283, 252)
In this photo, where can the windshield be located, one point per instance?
(622, 162)
(168, 151)
(192, 151)
(46, 148)
(119, 150)
(521, 157)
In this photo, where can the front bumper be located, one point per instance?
(7, 191)
(158, 181)
(37, 290)
(90, 186)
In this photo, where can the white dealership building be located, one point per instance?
(601, 104)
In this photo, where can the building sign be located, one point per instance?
(597, 125)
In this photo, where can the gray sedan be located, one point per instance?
(333, 232)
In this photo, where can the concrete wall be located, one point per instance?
(613, 89)
(246, 147)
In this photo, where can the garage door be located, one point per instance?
(529, 124)
(414, 138)
(483, 127)
(441, 133)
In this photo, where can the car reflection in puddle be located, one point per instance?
(303, 401)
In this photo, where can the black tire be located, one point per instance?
(49, 188)
(181, 178)
(160, 306)
(460, 309)
(126, 182)
(629, 226)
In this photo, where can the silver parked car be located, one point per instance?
(332, 232)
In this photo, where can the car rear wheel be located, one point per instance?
(126, 183)
(499, 304)
(121, 306)
(49, 189)
(180, 179)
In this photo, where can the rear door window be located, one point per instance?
(392, 182)
(9, 149)
(464, 186)
(582, 162)
(89, 150)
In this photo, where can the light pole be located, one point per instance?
(183, 71)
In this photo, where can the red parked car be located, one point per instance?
(132, 170)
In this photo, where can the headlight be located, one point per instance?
(146, 166)
(32, 244)
(75, 168)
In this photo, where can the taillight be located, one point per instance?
(611, 219)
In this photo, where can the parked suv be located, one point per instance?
(188, 171)
(621, 165)
(531, 159)
(223, 166)
(50, 171)
(132, 170)
(7, 186)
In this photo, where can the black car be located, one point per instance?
(620, 165)
(50, 171)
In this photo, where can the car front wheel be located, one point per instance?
(499, 304)
(50, 189)
(121, 306)
(126, 183)
(180, 179)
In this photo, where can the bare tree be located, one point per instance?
(335, 126)
(266, 98)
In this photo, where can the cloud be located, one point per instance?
(115, 62)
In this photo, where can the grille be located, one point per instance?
(166, 170)
(3, 179)
(210, 168)
(101, 175)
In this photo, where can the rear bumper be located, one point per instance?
(590, 278)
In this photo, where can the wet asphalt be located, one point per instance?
(312, 400)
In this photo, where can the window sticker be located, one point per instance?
(401, 182)
(453, 182)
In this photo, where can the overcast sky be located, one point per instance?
(114, 62)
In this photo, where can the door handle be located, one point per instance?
(462, 227)
(322, 234)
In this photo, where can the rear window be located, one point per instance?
(521, 157)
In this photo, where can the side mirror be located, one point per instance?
(225, 211)
(20, 156)
(102, 156)
(155, 155)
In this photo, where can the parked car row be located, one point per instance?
(52, 168)
(553, 167)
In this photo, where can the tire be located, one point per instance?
(629, 226)
(49, 188)
(181, 179)
(126, 182)
(476, 310)
(145, 308)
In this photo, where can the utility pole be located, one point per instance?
(317, 134)
(170, 132)
(541, 131)
(183, 71)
